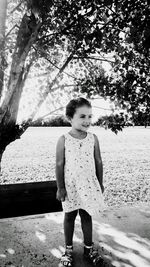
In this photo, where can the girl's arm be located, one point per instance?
(60, 162)
(98, 162)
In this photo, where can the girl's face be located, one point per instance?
(82, 118)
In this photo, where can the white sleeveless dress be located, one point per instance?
(82, 186)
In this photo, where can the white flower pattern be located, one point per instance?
(82, 186)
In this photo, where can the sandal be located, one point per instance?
(67, 259)
(91, 254)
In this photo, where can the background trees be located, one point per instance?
(65, 42)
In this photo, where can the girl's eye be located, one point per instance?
(83, 116)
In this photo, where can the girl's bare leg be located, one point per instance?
(86, 224)
(90, 253)
(69, 221)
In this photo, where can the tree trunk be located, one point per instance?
(8, 134)
(3, 9)
(23, 45)
(9, 130)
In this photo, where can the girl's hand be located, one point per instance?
(61, 194)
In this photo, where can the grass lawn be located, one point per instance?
(126, 159)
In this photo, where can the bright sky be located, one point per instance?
(100, 106)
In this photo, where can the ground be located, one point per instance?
(122, 236)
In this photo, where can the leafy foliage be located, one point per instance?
(141, 119)
(52, 122)
(127, 38)
(115, 122)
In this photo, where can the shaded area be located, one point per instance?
(28, 199)
(122, 236)
(124, 249)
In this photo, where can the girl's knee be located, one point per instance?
(70, 216)
(85, 215)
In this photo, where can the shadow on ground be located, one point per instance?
(122, 237)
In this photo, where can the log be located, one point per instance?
(28, 199)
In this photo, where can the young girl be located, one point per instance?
(79, 175)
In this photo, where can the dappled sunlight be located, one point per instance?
(41, 236)
(2, 256)
(62, 249)
(123, 247)
(56, 217)
(146, 212)
(127, 255)
(137, 238)
(11, 251)
(117, 264)
(77, 239)
(39, 241)
(56, 253)
(122, 239)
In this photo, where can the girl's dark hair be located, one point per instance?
(74, 104)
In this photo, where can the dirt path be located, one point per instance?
(122, 236)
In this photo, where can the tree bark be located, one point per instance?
(3, 10)
(23, 45)
(9, 130)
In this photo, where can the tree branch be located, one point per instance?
(102, 108)
(94, 59)
(15, 26)
(49, 87)
(15, 8)
(46, 57)
(49, 113)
